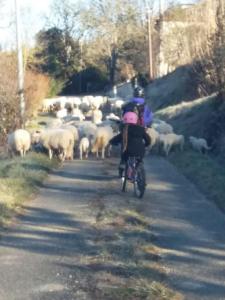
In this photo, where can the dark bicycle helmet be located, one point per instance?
(138, 92)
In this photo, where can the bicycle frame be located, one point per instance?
(131, 166)
(134, 172)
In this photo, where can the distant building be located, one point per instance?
(175, 45)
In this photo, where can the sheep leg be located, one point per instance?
(63, 155)
(103, 153)
(87, 154)
(68, 153)
(50, 153)
(81, 157)
(109, 150)
(21, 152)
(167, 149)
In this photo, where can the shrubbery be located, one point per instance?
(36, 87)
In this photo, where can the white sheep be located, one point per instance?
(97, 101)
(19, 141)
(113, 117)
(84, 147)
(113, 124)
(78, 113)
(170, 140)
(87, 129)
(163, 128)
(96, 116)
(199, 144)
(62, 113)
(154, 136)
(160, 141)
(54, 123)
(88, 100)
(46, 104)
(101, 140)
(72, 129)
(60, 140)
(76, 101)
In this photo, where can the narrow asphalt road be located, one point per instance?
(190, 230)
(53, 233)
(50, 235)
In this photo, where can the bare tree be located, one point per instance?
(65, 16)
(115, 31)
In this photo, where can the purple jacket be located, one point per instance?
(147, 114)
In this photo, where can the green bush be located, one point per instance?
(56, 87)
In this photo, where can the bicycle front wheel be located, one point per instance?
(140, 181)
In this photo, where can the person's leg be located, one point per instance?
(122, 164)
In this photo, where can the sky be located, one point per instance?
(32, 19)
(31, 15)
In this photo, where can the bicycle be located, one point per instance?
(134, 172)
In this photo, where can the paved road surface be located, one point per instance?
(191, 232)
(54, 232)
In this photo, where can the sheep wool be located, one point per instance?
(19, 141)
(84, 147)
(163, 128)
(61, 140)
(199, 144)
(154, 136)
(101, 140)
(170, 140)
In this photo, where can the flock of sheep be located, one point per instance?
(81, 130)
(86, 128)
(163, 138)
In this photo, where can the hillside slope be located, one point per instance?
(189, 118)
(173, 88)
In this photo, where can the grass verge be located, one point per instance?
(127, 265)
(205, 172)
(19, 180)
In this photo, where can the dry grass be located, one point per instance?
(188, 118)
(19, 180)
(205, 172)
(128, 264)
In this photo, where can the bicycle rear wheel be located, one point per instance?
(140, 181)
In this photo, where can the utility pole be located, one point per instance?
(150, 54)
(160, 55)
(160, 7)
(20, 65)
(81, 67)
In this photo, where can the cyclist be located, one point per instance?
(133, 139)
(137, 104)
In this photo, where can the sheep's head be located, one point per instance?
(35, 137)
